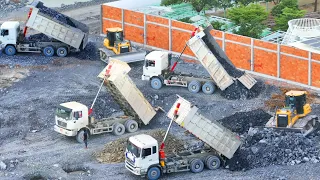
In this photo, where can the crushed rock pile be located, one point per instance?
(273, 147)
(240, 122)
(238, 91)
(89, 53)
(56, 15)
(114, 151)
(7, 6)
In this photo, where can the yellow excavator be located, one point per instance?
(116, 47)
(295, 114)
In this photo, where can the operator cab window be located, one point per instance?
(150, 63)
(4, 32)
(77, 115)
(146, 152)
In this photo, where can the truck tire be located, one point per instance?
(79, 136)
(10, 50)
(62, 52)
(212, 162)
(153, 173)
(118, 129)
(131, 126)
(48, 51)
(156, 83)
(208, 88)
(196, 165)
(194, 86)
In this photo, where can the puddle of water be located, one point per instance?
(57, 3)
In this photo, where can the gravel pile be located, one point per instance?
(266, 147)
(89, 53)
(240, 122)
(238, 91)
(7, 6)
(82, 4)
(115, 150)
(38, 37)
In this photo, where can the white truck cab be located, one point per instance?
(141, 154)
(155, 63)
(9, 33)
(70, 117)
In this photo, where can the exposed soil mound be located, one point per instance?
(115, 150)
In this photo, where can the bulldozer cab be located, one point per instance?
(296, 100)
(114, 35)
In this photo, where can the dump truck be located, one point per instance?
(73, 118)
(116, 47)
(157, 67)
(58, 34)
(144, 157)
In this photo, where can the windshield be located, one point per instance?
(133, 149)
(62, 113)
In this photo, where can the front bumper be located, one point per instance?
(65, 131)
(134, 170)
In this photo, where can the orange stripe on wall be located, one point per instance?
(265, 65)
(294, 69)
(239, 55)
(237, 38)
(264, 44)
(111, 12)
(315, 56)
(179, 40)
(315, 74)
(158, 36)
(294, 51)
(109, 24)
(133, 17)
(183, 25)
(157, 19)
(133, 33)
(216, 33)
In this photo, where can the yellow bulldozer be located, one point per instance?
(295, 115)
(116, 47)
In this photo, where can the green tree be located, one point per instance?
(287, 15)
(198, 5)
(217, 25)
(250, 19)
(224, 4)
(277, 10)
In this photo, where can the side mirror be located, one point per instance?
(146, 64)
(76, 115)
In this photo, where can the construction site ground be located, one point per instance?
(31, 86)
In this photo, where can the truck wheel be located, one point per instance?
(156, 83)
(10, 50)
(196, 166)
(154, 173)
(118, 129)
(194, 86)
(131, 126)
(208, 88)
(62, 52)
(212, 162)
(48, 51)
(79, 136)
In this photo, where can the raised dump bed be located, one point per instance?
(57, 26)
(216, 62)
(125, 92)
(218, 137)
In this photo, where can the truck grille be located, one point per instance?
(130, 162)
(62, 124)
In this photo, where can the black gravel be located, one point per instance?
(266, 146)
(38, 37)
(91, 52)
(240, 122)
(238, 91)
(220, 55)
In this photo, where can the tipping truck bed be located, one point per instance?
(216, 62)
(58, 26)
(213, 133)
(125, 92)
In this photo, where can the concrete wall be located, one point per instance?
(271, 60)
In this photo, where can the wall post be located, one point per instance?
(122, 19)
(144, 29)
(223, 41)
(170, 35)
(278, 60)
(309, 69)
(252, 55)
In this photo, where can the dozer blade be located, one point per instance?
(128, 57)
(305, 125)
(105, 54)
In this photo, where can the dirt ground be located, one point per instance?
(34, 86)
